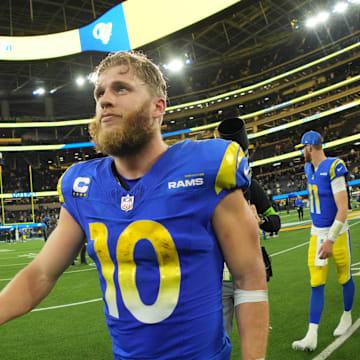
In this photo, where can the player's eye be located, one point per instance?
(98, 94)
(121, 89)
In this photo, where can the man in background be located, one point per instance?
(330, 237)
(299, 204)
(268, 220)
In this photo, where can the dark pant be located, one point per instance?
(83, 254)
(300, 213)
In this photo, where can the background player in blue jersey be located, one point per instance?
(159, 222)
(299, 204)
(330, 236)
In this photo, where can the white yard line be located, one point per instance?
(16, 257)
(76, 271)
(66, 272)
(338, 342)
(287, 250)
(67, 305)
(7, 265)
(305, 243)
(355, 223)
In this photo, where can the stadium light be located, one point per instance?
(174, 65)
(188, 59)
(340, 7)
(318, 19)
(39, 91)
(311, 22)
(80, 81)
(322, 17)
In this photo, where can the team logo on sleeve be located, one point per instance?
(81, 187)
(337, 168)
(340, 167)
(246, 171)
(127, 202)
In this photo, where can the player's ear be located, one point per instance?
(159, 106)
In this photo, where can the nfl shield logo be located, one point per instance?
(127, 202)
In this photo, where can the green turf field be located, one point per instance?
(79, 331)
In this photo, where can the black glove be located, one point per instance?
(271, 223)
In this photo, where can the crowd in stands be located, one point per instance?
(288, 177)
(263, 65)
(46, 216)
(17, 180)
(330, 128)
(292, 178)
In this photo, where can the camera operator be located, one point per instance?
(234, 129)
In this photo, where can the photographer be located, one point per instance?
(234, 129)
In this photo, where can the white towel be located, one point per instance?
(226, 274)
(320, 239)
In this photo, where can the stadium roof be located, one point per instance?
(245, 30)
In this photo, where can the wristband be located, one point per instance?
(335, 230)
(246, 296)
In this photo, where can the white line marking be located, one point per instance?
(296, 223)
(66, 272)
(6, 265)
(295, 247)
(67, 305)
(76, 271)
(355, 223)
(287, 250)
(339, 341)
(11, 258)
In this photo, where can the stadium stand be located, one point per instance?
(305, 77)
(250, 62)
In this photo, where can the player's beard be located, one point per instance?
(307, 156)
(128, 138)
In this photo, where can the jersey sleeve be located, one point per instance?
(233, 172)
(337, 168)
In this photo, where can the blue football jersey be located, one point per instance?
(299, 203)
(323, 208)
(159, 263)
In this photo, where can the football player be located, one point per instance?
(330, 237)
(159, 222)
(234, 129)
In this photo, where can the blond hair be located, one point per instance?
(143, 68)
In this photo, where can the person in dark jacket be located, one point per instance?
(268, 220)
